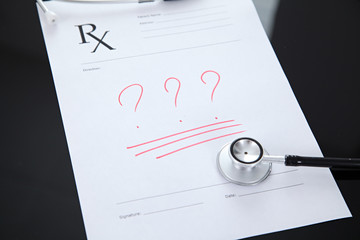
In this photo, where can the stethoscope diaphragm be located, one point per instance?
(240, 162)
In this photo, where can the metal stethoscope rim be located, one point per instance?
(242, 171)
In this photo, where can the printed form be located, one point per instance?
(150, 93)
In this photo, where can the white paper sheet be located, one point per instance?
(149, 93)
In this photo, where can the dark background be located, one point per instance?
(317, 43)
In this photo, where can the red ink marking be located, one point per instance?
(216, 118)
(137, 126)
(209, 125)
(141, 93)
(217, 83)
(180, 121)
(178, 140)
(177, 92)
(195, 144)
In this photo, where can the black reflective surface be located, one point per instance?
(317, 43)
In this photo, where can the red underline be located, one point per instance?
(194, 135)
(192, 145)
(138, 145)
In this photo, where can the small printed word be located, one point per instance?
(123, 217)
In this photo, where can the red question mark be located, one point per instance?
(177, 92)
(218, 75)
(141, 93)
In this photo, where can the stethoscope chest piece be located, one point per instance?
(240, 162)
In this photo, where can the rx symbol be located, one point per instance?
(90, 33)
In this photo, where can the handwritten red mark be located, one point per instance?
(195, 144)
(141, 93)
(177, 92)
(175, 134)
(217, 83)
(181, 139)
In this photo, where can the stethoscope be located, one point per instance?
(51, 16)
(246, 162)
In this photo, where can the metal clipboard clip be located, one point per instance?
(51, 16)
